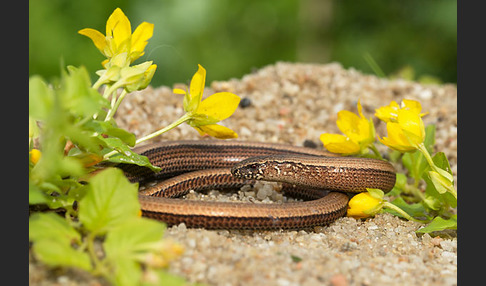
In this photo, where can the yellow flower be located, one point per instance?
(359, 133)
(364, 205)
(406, 133)
(119, 38)
(206, 113)
(390, 112)
(35, 155)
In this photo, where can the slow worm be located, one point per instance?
(313, 174)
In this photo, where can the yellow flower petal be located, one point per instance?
(118, 27)
(340, 144)
(363, 205)
(217, 131)
(347, 122)
(193, 98)
(360, 110)
(366, 134)
(411, 105)
(357, 128)
(140, 38)
(219, 105)
(387, 113)
(412, 125)
(397, 139)
(178, 91)
(98, 38)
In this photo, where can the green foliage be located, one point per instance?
(110, 211)
(69, 123)
(438, 224)
(73, 136)
(56, 242)
(102, 210)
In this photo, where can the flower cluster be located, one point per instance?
(121, 48)
(404, 124)
(406, 134)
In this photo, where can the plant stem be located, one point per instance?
(415, 191)
(114, 108)
(401, 212)
(375, 151)
(98, 83)
(423, 150)
(98, 266)
(174, 124)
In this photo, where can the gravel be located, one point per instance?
(294, 103)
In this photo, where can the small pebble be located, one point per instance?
(310, 144)
(245, 102)
(339, 280)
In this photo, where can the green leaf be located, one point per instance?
(36, 195)
(82, 138)
(55, 253)
(401, 181)
(441, 161)
(136, 235)
(446, 199)
(438, 224)
(109, 201)
(415, 163)
(107, 128)
(77, 94)
(41, 98)
(51, 226)
(126, 155)
(394, 155)
(127, 272)
(53, 239)
(127, 243)
(400, 185)
(439, 181)
(429, 140)
(432, 202)
(69, 167)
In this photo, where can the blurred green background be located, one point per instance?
(232, 38)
